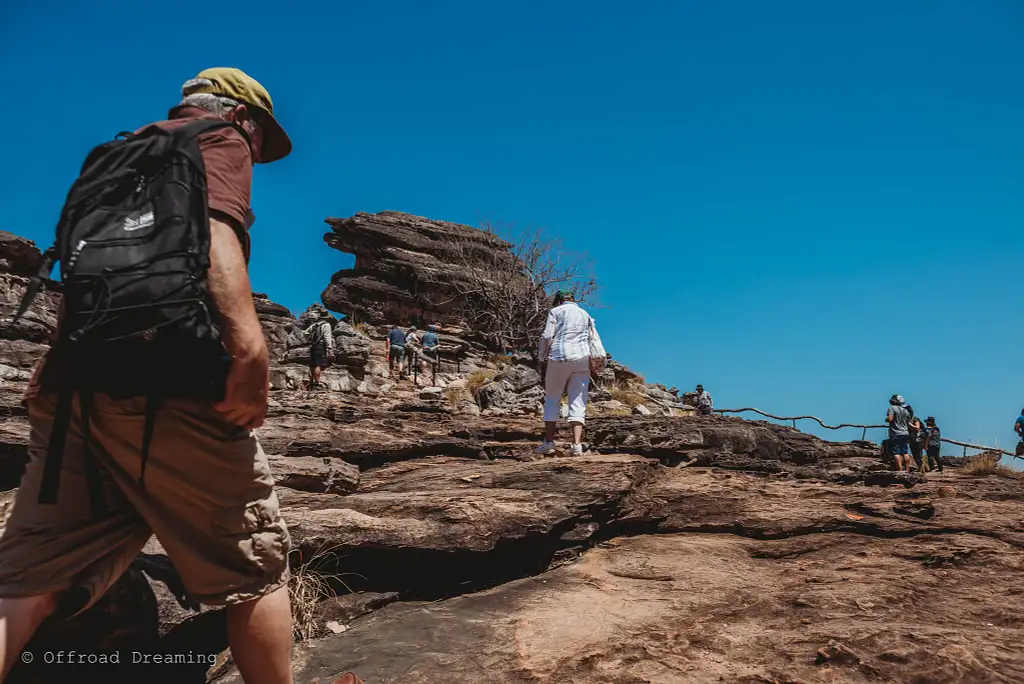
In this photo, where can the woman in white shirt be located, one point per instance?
(572, 350)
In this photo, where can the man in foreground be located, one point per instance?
(207, 493)
(899, 433)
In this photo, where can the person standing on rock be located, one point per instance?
(933, 443)
(430, 344)
(899, 434)
(208, 493)
(1018, 427)
(321, 347)
(917, 434)
(705, 404)
(412, 349)
(394, 347)
(572, 350)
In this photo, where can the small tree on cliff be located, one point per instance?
(506, 295)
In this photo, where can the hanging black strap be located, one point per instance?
(152, 403)
(55, 450)
(93, 480)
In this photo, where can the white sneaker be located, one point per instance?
(545, 448)
(577, 449)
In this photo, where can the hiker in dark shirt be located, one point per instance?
(431, 344)
(394, 347)
(933, 443)
(1018, 427)
(917, 435)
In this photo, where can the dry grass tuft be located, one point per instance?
(987, 463)
(629, 397)
(310, 584)
(456, 396)
(501, 361)
(478, 379)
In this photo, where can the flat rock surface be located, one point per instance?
(705, 607)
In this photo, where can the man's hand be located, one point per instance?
(245, 393)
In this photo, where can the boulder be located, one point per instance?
(311, 474)
(519, 377)
(18, 255)
(612, 406)
(404, 267)
(516, 388)
(277, 324)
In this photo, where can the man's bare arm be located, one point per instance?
(248, 381)
(232, 294)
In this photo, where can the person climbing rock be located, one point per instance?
(97, 421)
(705, 404)
(321, 347)
(916, 436)
(572, 350)
(933, 443)
(431, 344)
(899, 434)
(1018, 427)
(394, 348)
(412, 350)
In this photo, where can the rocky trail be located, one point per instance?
(430, 544)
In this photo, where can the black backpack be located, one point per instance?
(133, 243)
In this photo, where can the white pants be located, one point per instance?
(562, 377)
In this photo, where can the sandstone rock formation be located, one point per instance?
(404, 267)
(676, 549)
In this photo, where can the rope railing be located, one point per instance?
(864, 428)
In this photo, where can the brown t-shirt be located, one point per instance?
(228, 161)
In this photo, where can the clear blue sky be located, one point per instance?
(805, 205)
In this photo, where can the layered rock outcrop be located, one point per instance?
(676, 548)
(404, 268)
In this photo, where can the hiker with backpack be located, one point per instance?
(899, 434)
(412, 350)
(431, 344)
(705, 404)
(321, 347)
(394, 349)
(572, 350)
(933, 444)
(142, 412)
(917, 433)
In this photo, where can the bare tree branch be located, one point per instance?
(506, 295)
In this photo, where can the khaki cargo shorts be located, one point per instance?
(208, 496)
